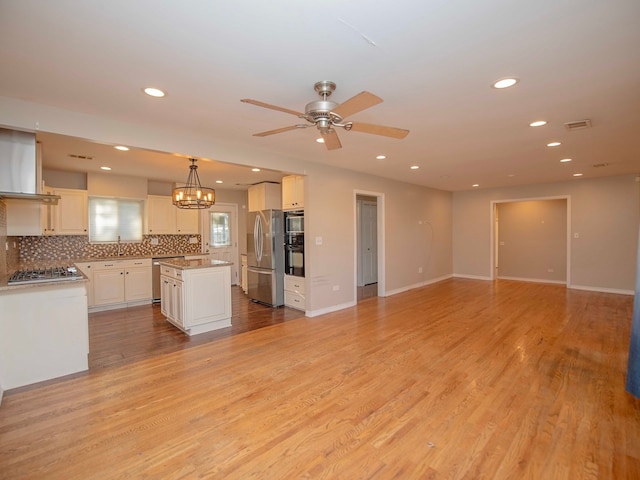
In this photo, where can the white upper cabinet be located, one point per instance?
(186, 221)
(164, 218)
(69, 217)
(161, 215)
(265, 196)
(293, 192)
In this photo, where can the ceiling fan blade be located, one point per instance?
(393, 132)
(272, 107)
(356, 104)
(278, 130)
(331, 140)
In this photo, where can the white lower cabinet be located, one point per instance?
(294, 292)
(196, 300)
(121, 283)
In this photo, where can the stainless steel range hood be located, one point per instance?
(20, 168)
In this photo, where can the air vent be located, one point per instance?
(578, 125)
(600, 165)
(81, 157)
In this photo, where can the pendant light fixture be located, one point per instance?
(192, 194)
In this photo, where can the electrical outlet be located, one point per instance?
(336, 288)
(419, 269)
(154, 241)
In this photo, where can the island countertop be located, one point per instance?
(186, 264)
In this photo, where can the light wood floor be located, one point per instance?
(461, 379)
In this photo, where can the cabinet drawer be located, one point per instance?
(294, 284)
(171, 272)
(107, 264)
(294, 300)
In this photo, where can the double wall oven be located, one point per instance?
(294, 243)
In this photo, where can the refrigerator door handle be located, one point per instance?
(257, 238)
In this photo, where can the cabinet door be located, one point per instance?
(138, 284)
(186, 221)
(161, 215)
(108, 286)
(292, 192)
(71, 215)
(256, 197)
(166, 296)
(87, 269)
(178, 303)
(23, 218)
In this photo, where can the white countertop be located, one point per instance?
(194, 263)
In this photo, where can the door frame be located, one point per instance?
(380, 216)
(493, 243)
(234, 232)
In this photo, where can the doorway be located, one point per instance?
(220, 235)
(367, 247)
(531, 240)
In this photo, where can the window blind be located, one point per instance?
(113, 217)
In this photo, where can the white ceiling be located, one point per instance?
(431, 61)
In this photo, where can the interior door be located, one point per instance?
(369, 242)
(220, 236)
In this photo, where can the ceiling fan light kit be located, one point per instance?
(327, 115)
(192, 194)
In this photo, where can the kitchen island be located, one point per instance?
(196, 294)
(44, 331)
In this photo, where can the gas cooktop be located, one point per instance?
(39, 275)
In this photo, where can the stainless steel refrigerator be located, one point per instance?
(265, 257)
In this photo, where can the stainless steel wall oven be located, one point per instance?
(294, 243)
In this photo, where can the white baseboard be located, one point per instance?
(471, 277)
(417, 285)
(534, 280)
(333, 308)
(602, 289)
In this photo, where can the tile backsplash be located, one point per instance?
(75, 247)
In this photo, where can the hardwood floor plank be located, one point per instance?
(462, 379)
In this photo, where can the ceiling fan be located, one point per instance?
(326, 115)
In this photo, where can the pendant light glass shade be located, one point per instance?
(192, 194)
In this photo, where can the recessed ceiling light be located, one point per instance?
(381, 157)
(218, 181)
(414, 167)
(577, 174)
(153, 92)
(565, 160)
(255, 169)
(554, 144)
(320, 140)
(105, 168)
(538, 123)
(475, 185)
(122, 148)
(505, 82)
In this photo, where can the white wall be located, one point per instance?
(417, 226)
(604, 212)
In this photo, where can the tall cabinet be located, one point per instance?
(293, 199)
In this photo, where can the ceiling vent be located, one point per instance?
(578, 125)
(600, 165)
(81, 157)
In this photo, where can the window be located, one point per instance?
(110, 218)
(220, 233)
